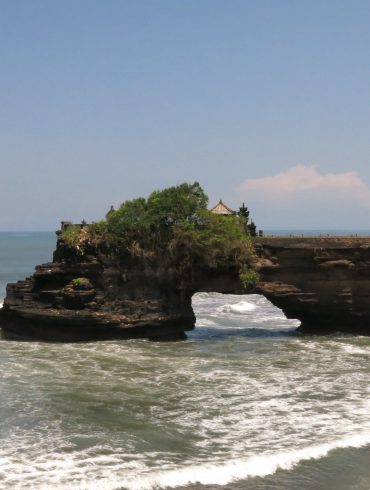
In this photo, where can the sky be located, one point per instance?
(265, 102)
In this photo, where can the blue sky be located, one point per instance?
(266, 102)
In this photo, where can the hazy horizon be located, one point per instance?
(266, 231)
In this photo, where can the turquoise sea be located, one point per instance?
(244, 403)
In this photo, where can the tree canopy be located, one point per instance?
(153, 219)
(174, 223)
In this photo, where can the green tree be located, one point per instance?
(244, 212)
(175, 226)
(149, 222)
(176, 205)
(130, 222)
(252, 228)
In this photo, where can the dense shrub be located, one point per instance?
(175, 225)
(151, 221)
(214, 241)
(71, 235)
(249, 277)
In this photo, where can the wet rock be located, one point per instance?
(325, 283)
(97, 296)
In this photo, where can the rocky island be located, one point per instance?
(133, 274)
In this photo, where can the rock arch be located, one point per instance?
(323, 282)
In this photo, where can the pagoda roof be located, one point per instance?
(221, 208)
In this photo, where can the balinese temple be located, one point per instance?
(221, 208)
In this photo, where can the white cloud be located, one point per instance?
(302, 197)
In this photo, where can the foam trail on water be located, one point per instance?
(352, 349)
(241, 307)
(240, 469)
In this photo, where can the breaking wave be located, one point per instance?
(243, 398)
(69, 475)
(238, 469)
(239, 308)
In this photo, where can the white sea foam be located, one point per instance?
(237, 419)
(206, 322)
(240, 469)
(71, 474)
(353, 349)
(239, 308)
(1, 303)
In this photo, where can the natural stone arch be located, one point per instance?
(251, 314)
(323, 282)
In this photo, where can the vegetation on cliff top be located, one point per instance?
(175, 224)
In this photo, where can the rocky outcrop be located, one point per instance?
(97, 295)
(323, 282)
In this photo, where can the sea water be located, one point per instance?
(244, 403)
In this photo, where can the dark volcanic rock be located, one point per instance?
(323, 282)
(78, 293)
(96, 296)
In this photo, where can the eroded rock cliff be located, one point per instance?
(323, 282)
(99, 295)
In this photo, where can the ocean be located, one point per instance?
(245, 403)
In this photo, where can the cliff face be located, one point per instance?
(94, 296)
(325, 283)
